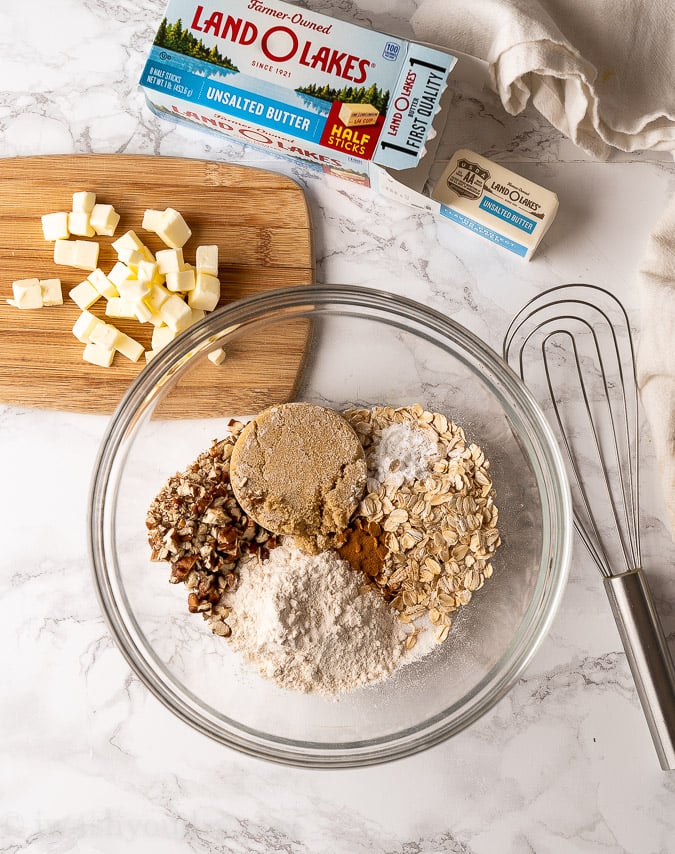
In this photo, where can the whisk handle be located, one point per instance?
(648, 657)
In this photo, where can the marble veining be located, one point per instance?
(90, 761)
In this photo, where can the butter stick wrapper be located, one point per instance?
(495, 203)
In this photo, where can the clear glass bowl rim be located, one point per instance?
(550, 585)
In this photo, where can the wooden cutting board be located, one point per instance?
(259, 220)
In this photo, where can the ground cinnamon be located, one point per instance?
(364, 547)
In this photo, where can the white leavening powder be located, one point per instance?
(304, 621)
(402, 452)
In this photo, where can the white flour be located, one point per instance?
(302, 620)
(403, 452)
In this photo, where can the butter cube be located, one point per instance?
(78, 223)
(157, 296)
(102, 283)
(129, 240)
(182, 281)
(86, 255)
(55, 226)
(149, 355)
(206, 292)
(176, 313)
(217, 356)
(51, 292)
(104, 219)
(207, 260)
(84, 326)
(84, 202)
(84, 295)
(98, 355)
(170, 261)
(131, 257)
(172, 229)
(129, 347)
(144, 314)
(120, 274)
(106, 335)
(161, 336)
(152, 220)
(134, 290)
(120, 308)
(64, 252)
(198, 314)
(27, 293)
(146, 270)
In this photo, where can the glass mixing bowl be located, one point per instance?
(338, 347)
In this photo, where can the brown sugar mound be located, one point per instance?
(299, 469)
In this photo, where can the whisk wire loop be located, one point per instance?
(558, 317)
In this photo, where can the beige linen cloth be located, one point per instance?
(601, 71)
(656, 350)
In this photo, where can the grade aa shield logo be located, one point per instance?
(468, 179)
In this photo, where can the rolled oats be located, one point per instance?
(440, 531)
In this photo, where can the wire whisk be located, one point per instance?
(572, 346)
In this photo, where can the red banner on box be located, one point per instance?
(358, 140)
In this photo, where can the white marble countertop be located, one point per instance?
(89, 760)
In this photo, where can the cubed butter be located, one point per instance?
(207, 260)
(157, 296)
(144, 314)
(51, 292)
(84, 295)
(217, 356)
(86, 255)
(78, 223)
(129, 347)
(129, 240)
(152, 220)
(161, 336)
(146, 270)
(120, 273)
(170, 261)
(64, 252)
(27, 293)
(176, 313)
(131, 257)
(106, 335)
(150, 355)
(206, 292)
(120, 308)
(84, 202)
(98, 355)
(84, 326)
(55, 226)
(102, 283)
(172, 229)
(133, 290)
(180, 282)
(104, 219)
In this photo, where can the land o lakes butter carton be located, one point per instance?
(349, 100)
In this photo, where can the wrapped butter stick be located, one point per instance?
(358, 115)
(495, 203)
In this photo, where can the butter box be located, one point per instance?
(349, 100)
(352, 102)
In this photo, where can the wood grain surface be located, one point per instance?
(258, 219)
